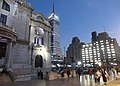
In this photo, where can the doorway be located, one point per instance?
(39, 61)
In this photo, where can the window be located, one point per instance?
(38, 40)
(40, 18)
(5, 6)
(3, 19)
(42, 42)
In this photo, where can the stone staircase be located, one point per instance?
(6, 78)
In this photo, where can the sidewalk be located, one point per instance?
(87, 81)
(72, 81)
(114, 83)
(62, 82)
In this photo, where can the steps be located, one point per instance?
(5, 78)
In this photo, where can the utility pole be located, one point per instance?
(64, 56)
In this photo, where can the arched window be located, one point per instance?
(40, 18)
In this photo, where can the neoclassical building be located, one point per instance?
(40, 42)
(24, 39)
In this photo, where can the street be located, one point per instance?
(63, 82)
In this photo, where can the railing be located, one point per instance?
(7, 27)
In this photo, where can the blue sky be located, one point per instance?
(81, 17)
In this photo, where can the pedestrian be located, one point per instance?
(117, 70)
(4, 70)
(98, 75)
(47, 76)
(38, 73)
(95, 74)
(79, 72)
(41, 74)
(62, 73)
(114, 71)
(68, 73)
(104, 76)
(90, 73)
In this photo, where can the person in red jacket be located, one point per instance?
(90, 73)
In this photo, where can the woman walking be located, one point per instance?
(105, 76)
(98, 75)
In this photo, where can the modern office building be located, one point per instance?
(103, 50)
(55, 39)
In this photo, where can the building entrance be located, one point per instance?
(39, 61)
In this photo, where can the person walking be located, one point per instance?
(79, 72)
(68, 73)
(41, 74)
(4, 70)
(47, 76)
(114, 73)
(95, 75)
(98, 75)
(62, 73)
(90, 73)
(104, 76)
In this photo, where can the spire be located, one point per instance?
(53, 8)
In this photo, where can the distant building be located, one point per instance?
(55, 38)
(103, 50)
(73, 53)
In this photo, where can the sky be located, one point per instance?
(78, 18)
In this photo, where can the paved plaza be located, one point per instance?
(64, 82)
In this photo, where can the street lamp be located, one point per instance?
(79, 63)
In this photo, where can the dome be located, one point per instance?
(53, 16)
(40, 30)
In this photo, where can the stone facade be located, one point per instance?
(18, 30)
(40, 41)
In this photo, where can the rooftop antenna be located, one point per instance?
(104, 28)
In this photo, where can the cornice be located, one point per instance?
(22, 41)
(24, 4)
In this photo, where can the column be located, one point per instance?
(8, 54)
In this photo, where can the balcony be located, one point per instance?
(8, 32)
